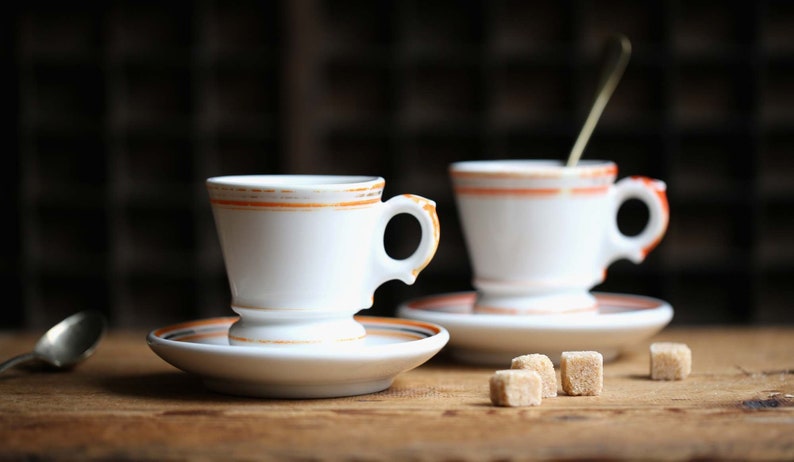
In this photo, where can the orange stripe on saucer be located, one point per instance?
(194, 337)
(627, 302)
(396, 334)
(193, 324)
(397, 322)
(443, 301)
(517, 311)
(293, 342)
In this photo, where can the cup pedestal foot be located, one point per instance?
(295, 329)
(563, 303)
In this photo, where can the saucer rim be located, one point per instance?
(432, 331)
(493, 340)
(660, 311)
(298, 373)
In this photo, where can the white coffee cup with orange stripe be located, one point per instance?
(304, 253)
(540, 235)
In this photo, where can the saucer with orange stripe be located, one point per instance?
(495, 339)
(392, 346)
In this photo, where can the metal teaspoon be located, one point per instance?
(616, 56)
(66, 343)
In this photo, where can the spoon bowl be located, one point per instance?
(67, 343)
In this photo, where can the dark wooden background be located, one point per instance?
(120, 109)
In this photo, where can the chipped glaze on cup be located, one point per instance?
(540, 235)
(304, 253)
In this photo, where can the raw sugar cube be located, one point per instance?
(582, 373)
(543, 366)
(670, 361)
(516, 387)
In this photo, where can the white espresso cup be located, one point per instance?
(304, 253)
(540, 235)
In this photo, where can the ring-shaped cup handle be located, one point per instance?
(386, 268)
(653, 194)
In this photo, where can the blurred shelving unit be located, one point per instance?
(124, 108)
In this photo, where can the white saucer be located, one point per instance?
(392, 346)
(621, 321)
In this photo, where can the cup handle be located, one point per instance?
(406, 270)
(636, 248)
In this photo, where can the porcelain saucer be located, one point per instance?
(621, 321)
(392, 346)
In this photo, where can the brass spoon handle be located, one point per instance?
(618, 51)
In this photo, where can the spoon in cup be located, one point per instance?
(616, 56)
(66, 343)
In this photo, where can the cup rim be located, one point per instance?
(530, 167)
(297, 182)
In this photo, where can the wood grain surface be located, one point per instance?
(125, 403)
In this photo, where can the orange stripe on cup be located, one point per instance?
(379, 185)
(474, 191)
(506, 191)
(595, 190)
(540, 173)
(297, 205)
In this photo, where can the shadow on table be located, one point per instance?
(167, 386)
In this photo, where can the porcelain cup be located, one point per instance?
(540, 235)
(304, 253)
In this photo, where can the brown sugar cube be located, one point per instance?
(516, 387)
(543, 366)
(670, 361)
(582, 373)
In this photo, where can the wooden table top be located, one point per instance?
(126, 403)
